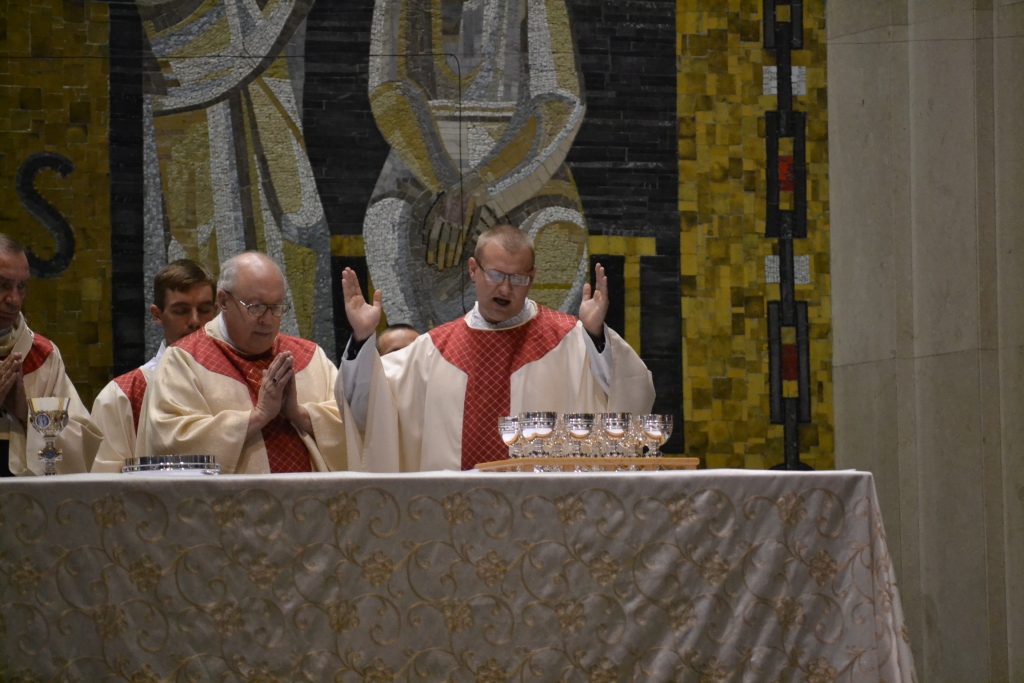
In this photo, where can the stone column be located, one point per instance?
(926, 145)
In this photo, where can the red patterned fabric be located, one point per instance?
(489, 358)
(285, 449)
(37, 355)
(133, 385)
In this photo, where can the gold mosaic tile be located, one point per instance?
(60, 105)
(723, 248)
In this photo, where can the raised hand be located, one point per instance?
(594, 306)
(363, 317)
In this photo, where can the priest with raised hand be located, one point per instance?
(258, 400)
(435, 404)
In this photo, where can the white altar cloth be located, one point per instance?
(708, 575)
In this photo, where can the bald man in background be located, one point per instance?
(395, 337)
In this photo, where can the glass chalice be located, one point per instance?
(615, 430)
(579, 427)
(655, 430)
(537, 428)
(508, 427)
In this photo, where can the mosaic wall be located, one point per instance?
(230, 127)
(730, 270)
(55, 193)
(480, 103)
(622, 160)
(224, 157)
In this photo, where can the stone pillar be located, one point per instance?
(926, 145)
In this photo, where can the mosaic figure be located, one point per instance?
(225, 158)
(480, 101)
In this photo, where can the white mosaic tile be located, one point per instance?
(801, 270)
(770, 80)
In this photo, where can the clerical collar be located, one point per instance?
(226, 338)
(223, 329)
(477, 322)
(155, 360)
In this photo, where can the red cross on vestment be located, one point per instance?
(133, 385)
(285, 450)
(489, 358)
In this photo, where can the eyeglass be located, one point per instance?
(496, 277)
(259, 310)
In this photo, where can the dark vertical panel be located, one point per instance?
(345, 148)
(625, 161)
(775, 361)
(785, 226)
(126, 188)
(661, 338)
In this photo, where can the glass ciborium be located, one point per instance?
(48, 416)
(655, 430)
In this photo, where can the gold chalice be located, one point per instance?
(48, 416)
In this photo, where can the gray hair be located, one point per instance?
(9, 245)
(229, 269)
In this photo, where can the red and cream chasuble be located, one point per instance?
(285, 450)
(37, 354)
(489, 358)
(133, 385)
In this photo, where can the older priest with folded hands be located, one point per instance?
(258, 400)
(31, 367)
(435, 404)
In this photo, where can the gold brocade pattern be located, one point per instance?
(702, 576)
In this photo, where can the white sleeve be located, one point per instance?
(602, 363)
(353, 383)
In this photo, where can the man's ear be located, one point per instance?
(155, 312)
(472, 266)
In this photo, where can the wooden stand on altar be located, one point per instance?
(589, 464)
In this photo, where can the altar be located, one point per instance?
(710, 575)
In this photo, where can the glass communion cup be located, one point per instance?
(508, 427)
(580, 429)
(537, 428)
(616, 434)
(654, 431)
